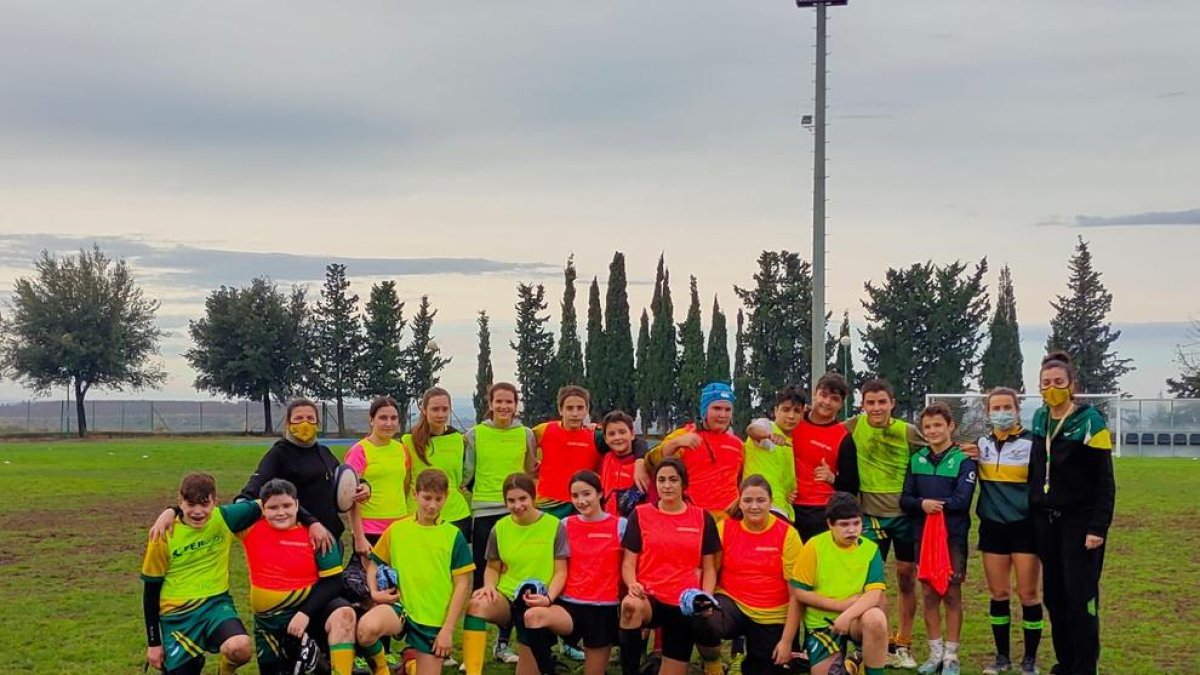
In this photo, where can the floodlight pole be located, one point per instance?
(819, 362)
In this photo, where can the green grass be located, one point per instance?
(73, 517)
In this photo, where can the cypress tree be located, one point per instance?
(595, 351)
(741, 379)
(620, 387)
(423, 360)
(338, 336)
(718, 347)
(381, 362)
(535, 354)
(1002, 363)
(568, 363)
(692, 367)
(483, 368)
(1080, 328)
(644, 391)
(663, 356)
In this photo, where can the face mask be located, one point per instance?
(1056, 396)
(304, 432)
(1003, 420)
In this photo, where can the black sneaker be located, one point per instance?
(1029, 666)
(1001, 664)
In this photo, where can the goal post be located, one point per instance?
(970, 413)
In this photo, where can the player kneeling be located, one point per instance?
(433, 567)
(294, 590)
(839, 581)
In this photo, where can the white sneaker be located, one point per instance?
(932, 665)
(901, 658)
(503, 653)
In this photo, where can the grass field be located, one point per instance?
(73, 517)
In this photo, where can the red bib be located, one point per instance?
(594, 568)
(669, 562)
(564, 453)
(752, 564)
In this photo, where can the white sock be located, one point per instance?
(935, 649)
(952, 650)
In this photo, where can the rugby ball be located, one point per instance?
(345, 482)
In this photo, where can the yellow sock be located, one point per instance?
(341, 658)
(226, 667)
(714, 667)
(379, 665)
(474, 647)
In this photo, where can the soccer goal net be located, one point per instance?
(970, 413)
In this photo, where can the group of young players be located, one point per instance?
(578, 532)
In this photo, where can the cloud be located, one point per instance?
(190, 267)
(1188, 217)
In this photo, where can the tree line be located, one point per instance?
(929, 327)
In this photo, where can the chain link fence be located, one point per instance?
(165, 417)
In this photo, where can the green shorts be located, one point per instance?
(188, 633)
(270, 631)
(884, 530)
(821, 644)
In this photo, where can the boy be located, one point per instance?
(185, 576)
(768, 448)
(294, 590)
(566, 445)
(941, 479)
(838, 581)
(826, 457)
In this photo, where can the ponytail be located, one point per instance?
(421, 432)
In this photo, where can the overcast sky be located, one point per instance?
(462, 147)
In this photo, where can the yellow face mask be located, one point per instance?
(304, 432)
(1056, 396)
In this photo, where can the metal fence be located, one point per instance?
(164, 417)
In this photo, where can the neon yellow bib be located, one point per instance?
(883, 456)
(841, 573)
(777, 465)
(386, 472)
(198, 562)
(498, 453)
(444, 452)
(527, 551)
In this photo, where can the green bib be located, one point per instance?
(499, 453)
(444, 452)
(386, 472)
(883, 456)
(777, 465)
(527, 551)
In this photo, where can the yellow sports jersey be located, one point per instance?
(193, 563)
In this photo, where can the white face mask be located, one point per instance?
(1003, 420)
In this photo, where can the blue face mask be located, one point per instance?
(1003, 420)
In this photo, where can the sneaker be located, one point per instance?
(901, 658)
(1029, 666)
(735, 663)
(449, 662)
(574, 653)
(932, 665)
(950, 666)
(392, 661)
(503, 653)
(361, 667)
(1001, 664)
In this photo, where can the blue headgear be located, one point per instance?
(711, 393)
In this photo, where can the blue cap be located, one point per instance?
(713, 392)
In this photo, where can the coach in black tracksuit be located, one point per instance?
(1072, 494)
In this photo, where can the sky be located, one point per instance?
(461, 148)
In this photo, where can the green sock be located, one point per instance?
(474, 623)
(874, 671)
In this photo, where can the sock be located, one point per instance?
(951, 651)
(875, 671)
(935, 650)
(226, 666)
(632, 647)
(712, 663)
(375, 656)
(898, 641)
(1001, 618)
(1032, 625)
(341, 658)
(474, 642)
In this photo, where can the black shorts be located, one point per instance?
(810, 521)
(595, 626)
(676, 629)
(1007, 538)
(728, 621)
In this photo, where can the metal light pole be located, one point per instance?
(818, 292)
(844, 341)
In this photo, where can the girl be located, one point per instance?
(1006, 534)
(587, 609)
(526, 545)
(381, 461)
(711, 452)
(494, 449)
(1072, 497)
(669, 548)
(758, 553)
(434, 444)
(941, 479)
(433, 585)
